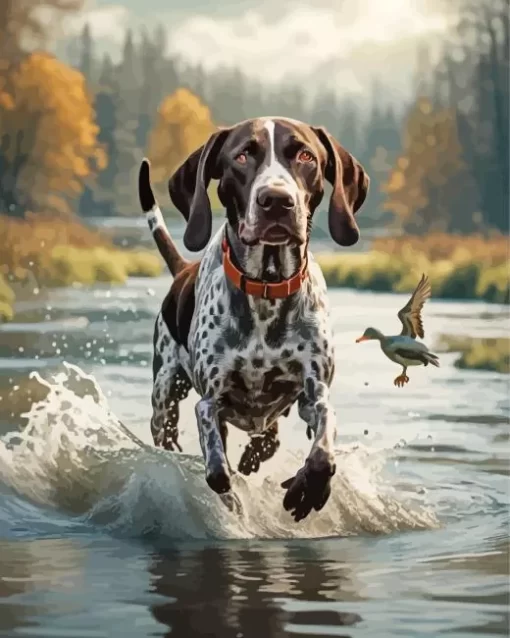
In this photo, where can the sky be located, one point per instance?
(338, 44)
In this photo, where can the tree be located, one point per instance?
(429, 185)
(473, 79)
(22, 22)
(348, 129)
(48, 137)
(86, 54)
(325, 110)
(98, 198)
(151, 52)
(183, 124)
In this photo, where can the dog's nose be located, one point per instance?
(275, 200)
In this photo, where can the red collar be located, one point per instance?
(257, 288)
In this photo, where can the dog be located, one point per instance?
(247, 325)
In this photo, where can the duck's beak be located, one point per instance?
(363, 338)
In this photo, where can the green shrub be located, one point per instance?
(108, 266)
(461, 282)
(494, 284)
(70, 265)
(491, 354)
(6, 300)
(459, 277)
(139, 263)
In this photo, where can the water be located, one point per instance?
(103, 535)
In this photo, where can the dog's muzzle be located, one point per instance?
(276, 215)
(275, 201)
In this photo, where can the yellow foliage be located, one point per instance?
(26, 23)
(183, 124)
(46, 251)
(429, 180)
(6, 311)
(438, 246)
(139, 263)
(48, 135)
(27, 245)
(70, 265)
(6, 300)
(492, 354)
(458, 267)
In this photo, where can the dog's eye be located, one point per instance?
(305, 156)
(242, 158)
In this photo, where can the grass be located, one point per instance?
(6, 300)
(44, 251)
(459, 267)
(69, 265)
(492, 354)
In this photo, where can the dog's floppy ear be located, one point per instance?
(188, 190)
(350, 188)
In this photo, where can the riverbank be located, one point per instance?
(49, 252)
(459, 267)
(474, 353)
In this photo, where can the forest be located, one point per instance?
(72, 132)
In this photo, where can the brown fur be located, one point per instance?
(179, 304)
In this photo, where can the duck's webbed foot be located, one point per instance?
(401, 380)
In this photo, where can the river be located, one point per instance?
(103, 535)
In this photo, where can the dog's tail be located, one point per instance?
(166, 246)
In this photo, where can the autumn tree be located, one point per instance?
(476, 71)
(183, 124)
(429, 182)
(48, 137)
(23, 25)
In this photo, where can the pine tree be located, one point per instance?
(348, 128)
(86, 62)
(101, 201)
(325, 110)
(128, 152)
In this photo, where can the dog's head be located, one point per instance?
(271, 174)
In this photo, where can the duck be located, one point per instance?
(403, 349)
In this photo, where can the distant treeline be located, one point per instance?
(71, 139)
(128, 95)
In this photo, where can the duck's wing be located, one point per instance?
(410, 314)
(405, 347)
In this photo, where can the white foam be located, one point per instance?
(75, 456)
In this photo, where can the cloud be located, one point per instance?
(110, 22)
(337, 44)
(298, 43)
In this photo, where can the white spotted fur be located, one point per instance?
(312, 311)
(155, 219)
(273, 174)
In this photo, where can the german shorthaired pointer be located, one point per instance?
(247, 326)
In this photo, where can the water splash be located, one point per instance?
(76, 457)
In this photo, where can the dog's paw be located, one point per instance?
(167, 438)
(311, 487)
(172, 445)
(259, 449)
(219, 480)
(250, 460)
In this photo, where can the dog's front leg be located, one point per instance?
(216, 464)
(311, 487)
